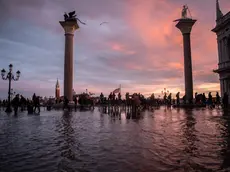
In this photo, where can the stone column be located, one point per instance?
(185, 26)
(225, 50)
(69, 28)
(222, 51)
(221, 87)
(219, 44)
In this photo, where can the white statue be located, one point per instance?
(184, 12)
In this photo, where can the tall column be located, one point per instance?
(185, 26)
(69, 27)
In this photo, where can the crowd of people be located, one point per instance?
(140, 100)
(133, 100)
(21, 103)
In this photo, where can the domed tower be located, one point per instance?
(57, 91)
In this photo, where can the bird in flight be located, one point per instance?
(103, 23)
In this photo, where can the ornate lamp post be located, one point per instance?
(10, 76)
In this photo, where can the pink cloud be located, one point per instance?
(140, 47)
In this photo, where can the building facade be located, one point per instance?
(57, 90)
(222, 31)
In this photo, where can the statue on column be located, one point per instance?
(72, 17)
(184, 12)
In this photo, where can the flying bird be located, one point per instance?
(103, 23)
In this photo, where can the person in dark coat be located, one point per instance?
(30, 108)
(184, 99)
(34, 97)
(16, 103)
(217, 99)
(66, 103)
(101, 98)
(178, 98)
(210, 99)
(75, 102)
(37, 104)
(204, 99)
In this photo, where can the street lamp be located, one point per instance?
(10, 76)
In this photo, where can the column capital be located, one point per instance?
(185, 25)
(69, 26)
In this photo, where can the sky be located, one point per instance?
(139, 48)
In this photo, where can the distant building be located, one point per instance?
(222, 31)
(57, 90)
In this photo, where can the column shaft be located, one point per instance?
(222, 87)
(188, 67)
(68, 67)
(223, 51)
(219, 44)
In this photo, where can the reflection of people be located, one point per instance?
(184, 12)
(15, 103)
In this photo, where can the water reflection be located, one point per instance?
(189, 133)
(162, 140)
(189, 139)
(115, 113)
(67, 145)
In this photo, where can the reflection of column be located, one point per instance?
(189, 133)
(69, 27)
(67, 132)
(185, 26)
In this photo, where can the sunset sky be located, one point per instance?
(140, 47)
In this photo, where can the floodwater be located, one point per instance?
(172, 140)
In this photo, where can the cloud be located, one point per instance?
(139, 47)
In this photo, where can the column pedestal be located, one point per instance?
(69, 27)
